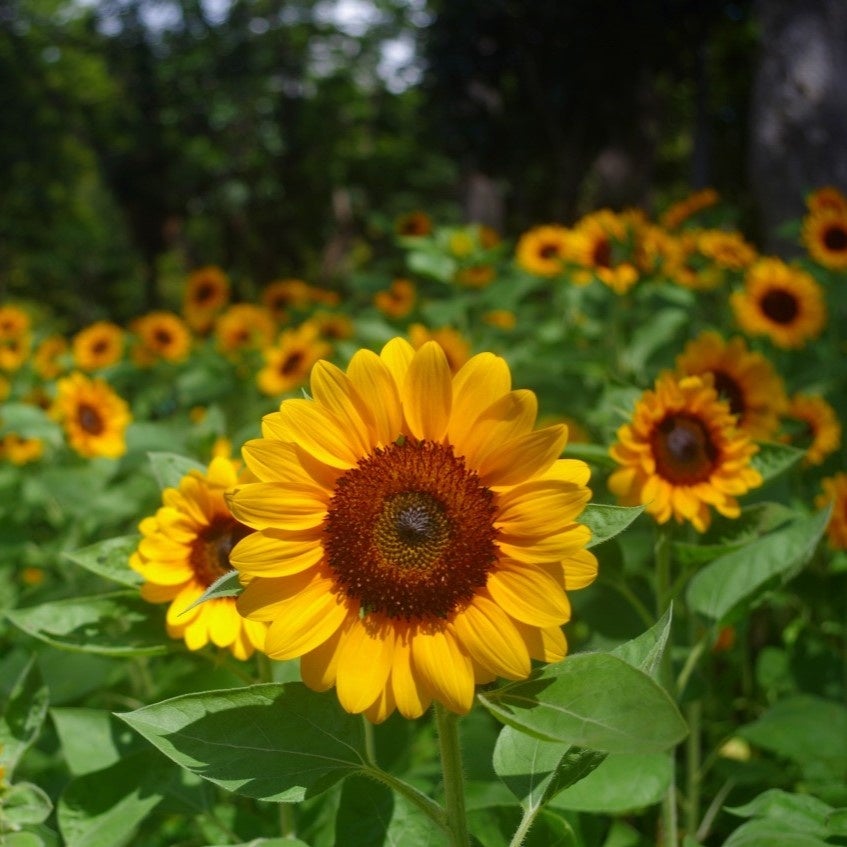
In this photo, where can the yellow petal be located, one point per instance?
(318, 432)
(178, 613)
(508, 417)
(261, 554)
(481, 380)
(279, 461)
(224, 621)
(397, 355)
(546, 644)
(364, 662)
(522, 458)
(427, 393)
(410, 694)
(318, 667)
(540, 508)
(334, 390)
(263, 505)
(196, 633)
(373, 379)
(382, 708)
(529, 594)
(550, 548)
(568, 470)
(445, 667)
(487, 633)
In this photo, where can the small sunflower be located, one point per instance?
(456, 348)
(413, 224)
(820, 429)
(682, 453)
(185, 547)
(728, 250)
(501, 318)
(398, 300)
(333, 325)
(48, 359)
(20, 450)
(745, 379)
(780, 301)
(97, 346)
(686, 266)
(677, 214)
(94, 417)
(825, 237)
(161, 335)
(287, 364)
(206, 294)
(835, 492)
(543, 250)
(476, 276)
(283, 294)
(607, 244)
(14, 322)
(415, 536)
(244, 326)
(827, 197)
(15, 337)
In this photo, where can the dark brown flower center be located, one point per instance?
(780, 305)
(100, 346)
(209, 557)
(835, 239)
(728, 389)
(548, 251)
(204, 292)
(409, 532)
(292, 363)
(90, 419)
(601, 256)
(683, 449)
(162, 337)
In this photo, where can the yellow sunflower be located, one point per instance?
(780, 301)
(20, 450)
(835, 492)
(283, 294)
(288, 363)
(244, 326)
(185, 547)
(825, 237)
(161, 335)
(827, 197)
(687, 266)
(415, 535)
(682, 453)
(48, 359)
(94, 417)
(333, 325)
(543, 250)
(456, 348)
(414, 224)
(206, 294)
(97, 346)
(476, 276)
(820, 432)
(15, 337)
(607, 244)
(398, 300)
(745, 379)
(677, 214)
(726, 249)
(501, 318)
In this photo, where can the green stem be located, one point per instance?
(370, 745)
(417, 798)
(454, 779)
(693, 753)
(669, 821)
(662, 553)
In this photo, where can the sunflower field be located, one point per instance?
(533, 539)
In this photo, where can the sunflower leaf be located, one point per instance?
(25, 803)
(592, 700)
(745, 573)
(645, 652)
(170, 468)
(606, 522)
(227, 585)
(24, 713)
(274, 742)
(110, 559)
(772, 459)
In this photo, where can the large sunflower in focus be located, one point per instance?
(780, 301)
(185, 547)
(94, 417)
(745, 379)
(414, 535)
(682, 453)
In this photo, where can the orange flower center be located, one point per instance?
(90, 419)
(162, 337)
(780, 305)
(683, 449)
(409, 531)
(835, 239)
(209, 557)
(291, 364)
(728, 389)
(204, 292)
(548, 251)
(601, 256)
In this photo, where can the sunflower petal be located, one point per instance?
(529, 594)
(263, 505)
(482, 379)
(373, 379)
(522, 458)
(334, 390)
(260, 554)
(445, 668)
(364, 663)
(427, 393)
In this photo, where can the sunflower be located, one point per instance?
(677, 214)
(456, 348)
(501, 318)
(48, 359)
(835, 492)
(543, 250)
(161, 335)
(686, 265)
(476, 276)
(744, 379)
(206, 293)
(333, 325)
(682, 453)
(825, 237)
(607, 244)
(726, 249)
(20, 450)
(184, 548)
(780, 301)
(398, 300)
(14, 322)
(97, 346)
(94, 417)
(283, 294)
(413, 224)
(828, 197)
(414, 535)
(287, 364)
(15, 337)
(820, 430)
(244, 326)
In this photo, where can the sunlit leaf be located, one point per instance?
(772, 459)
(645, 652)
(170, 468)
(24, 804)
(110, 559)
(606, 522)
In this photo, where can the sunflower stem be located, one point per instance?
(429, 807)
(447, 724)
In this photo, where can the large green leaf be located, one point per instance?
(22, 716)
(110, 559)
(24, 804)
(606, 522)
(104, 808)
(170, 468)
(795, 812)
(116, 624)
(772, 459)
(645, 652)
(272, 742)
(91, 739)
(591, 700)
(745, 573)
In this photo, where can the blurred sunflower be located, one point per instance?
(97, 346)
(744, 379)
(727, 250)
(780, 301)
(415, 536)
(543, 250)
(161, 335)
(688, 267)
(825, 237)
(456, 347)
(48, 359)
(681, 211)
(835, 492)
(287, 364)
(476, 276)
(283, 294)
(15, 337)
(184, 548)
(206, 294)
(501, 318)
(607, 244)
(20, 450)
(827, 197)
(244, 326)
(333, 326)
(682, 453)
(95, 418)
(820, 429)
(398, 300)
(414, 224)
